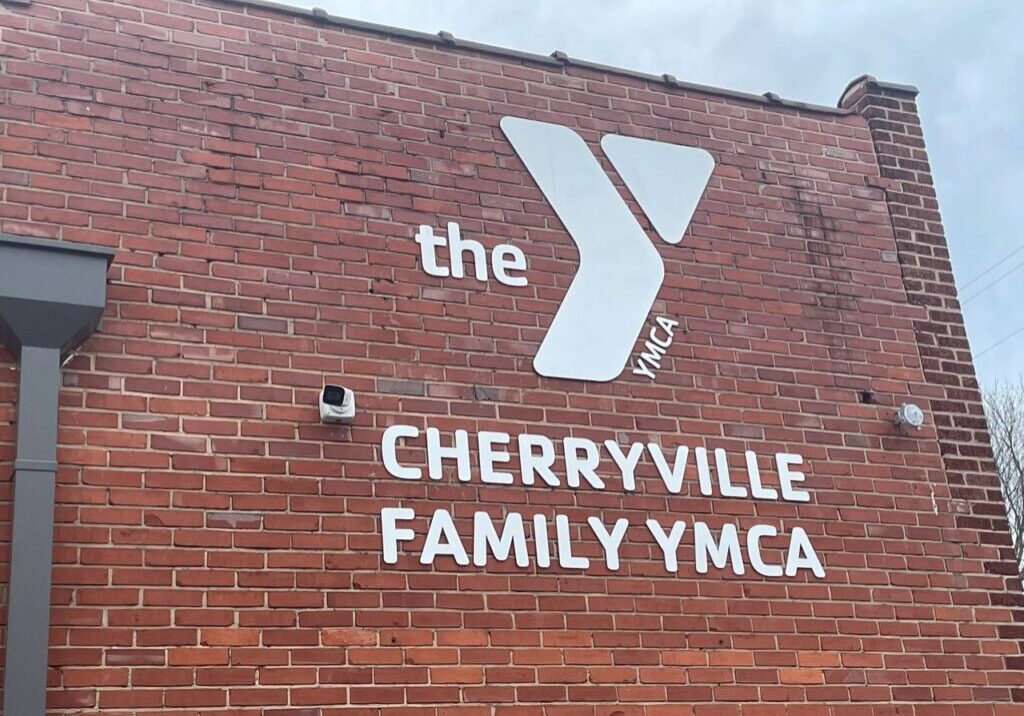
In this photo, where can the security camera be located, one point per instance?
(337, 404)
(909, 416)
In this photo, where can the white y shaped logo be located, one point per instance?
(620, 273)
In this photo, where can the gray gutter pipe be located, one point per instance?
(52, 294)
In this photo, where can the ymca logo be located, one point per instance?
(620, 271)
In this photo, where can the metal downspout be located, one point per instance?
(51, 297)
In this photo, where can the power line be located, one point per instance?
(993, 267)
(998, 343)
(990, 284)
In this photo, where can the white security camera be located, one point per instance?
(909, 416)
(337, 404)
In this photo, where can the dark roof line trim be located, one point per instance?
(556, 59)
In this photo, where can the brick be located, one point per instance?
(261, 173)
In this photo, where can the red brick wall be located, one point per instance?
(218, 550)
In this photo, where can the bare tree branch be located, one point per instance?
(1004, 408)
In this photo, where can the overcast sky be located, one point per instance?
(967, 58)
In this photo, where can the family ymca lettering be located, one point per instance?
(542, 541)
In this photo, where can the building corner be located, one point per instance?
(947, 363)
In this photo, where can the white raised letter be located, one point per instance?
(388, 444)
(488, 456)
(802, 555)
(458, 452)
(724, 483)
(653, 354)
(428, 250)
(664, 344)
(673, 478)
(540, 537)
(457, 245)
(505, 257)
(703, 470)
(643, 369)
(757, 490)
(576, 466)
(530, 463)
(512, 534)
(669, 543)
(441, 524)
(726, 550)
(391, 533)
(754, 535)
(610, 541)
(667, 324)
(787, 477)
(626, 463)
(565, 556)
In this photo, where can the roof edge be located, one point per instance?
(556, 59)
